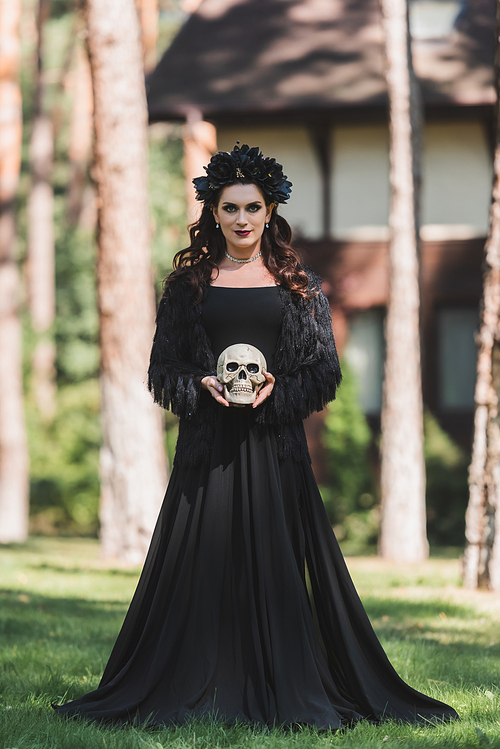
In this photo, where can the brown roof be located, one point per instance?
(283, 56)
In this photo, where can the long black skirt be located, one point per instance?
(245, 610)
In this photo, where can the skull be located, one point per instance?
(239, 368)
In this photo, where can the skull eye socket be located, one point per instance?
(232, 366)
(253, 368)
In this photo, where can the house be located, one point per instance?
(304, 80)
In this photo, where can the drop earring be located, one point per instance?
(267, 226)
(216, 226)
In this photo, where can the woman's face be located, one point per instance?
(242, 214)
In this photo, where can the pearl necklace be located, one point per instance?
(248, 260)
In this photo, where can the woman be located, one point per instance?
(245, 609)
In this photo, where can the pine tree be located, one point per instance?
(481, 564)
(133, 470)
(13, 447)
(41, 260)
(403, 530)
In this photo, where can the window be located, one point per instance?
(457, 356)
(364, 353)
(433, 19)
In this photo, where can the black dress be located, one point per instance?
(245, 609)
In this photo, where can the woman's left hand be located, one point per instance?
(265, 390)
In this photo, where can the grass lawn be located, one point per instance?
(60, 611)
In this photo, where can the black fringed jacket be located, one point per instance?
(306, 368)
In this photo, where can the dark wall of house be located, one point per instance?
(355, 276)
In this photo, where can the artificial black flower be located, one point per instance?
(245, 163)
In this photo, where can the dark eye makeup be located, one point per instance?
(231, 207)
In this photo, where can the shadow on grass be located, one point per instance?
(118, 572)
(32, 619)
(76, 634)
(53, 646)
(403, 609)
(428, 628)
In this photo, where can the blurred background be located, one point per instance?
(63, 419)
(304, 80)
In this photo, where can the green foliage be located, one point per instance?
(171, 433)
(447, 491)
(64, 478)
(76, 326)
(350, 494)
(62, 8)
(64, 454)
(167, 199)
(60, 612)
(171, 16)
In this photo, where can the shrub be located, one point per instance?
(64, 454)
(447, 491)
(351, 493)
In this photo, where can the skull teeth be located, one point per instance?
(241, 387)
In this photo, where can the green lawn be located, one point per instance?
(60, 611)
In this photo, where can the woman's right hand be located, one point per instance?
(215, 389)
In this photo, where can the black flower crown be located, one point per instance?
(243, 163)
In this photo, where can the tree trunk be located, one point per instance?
(133, 469)
(80, 135)
(481, 564)
(13, 446)
(148, 21)
(40, 264)
(200, 144)
(403, 532)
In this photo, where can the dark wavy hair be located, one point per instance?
(195, 264)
